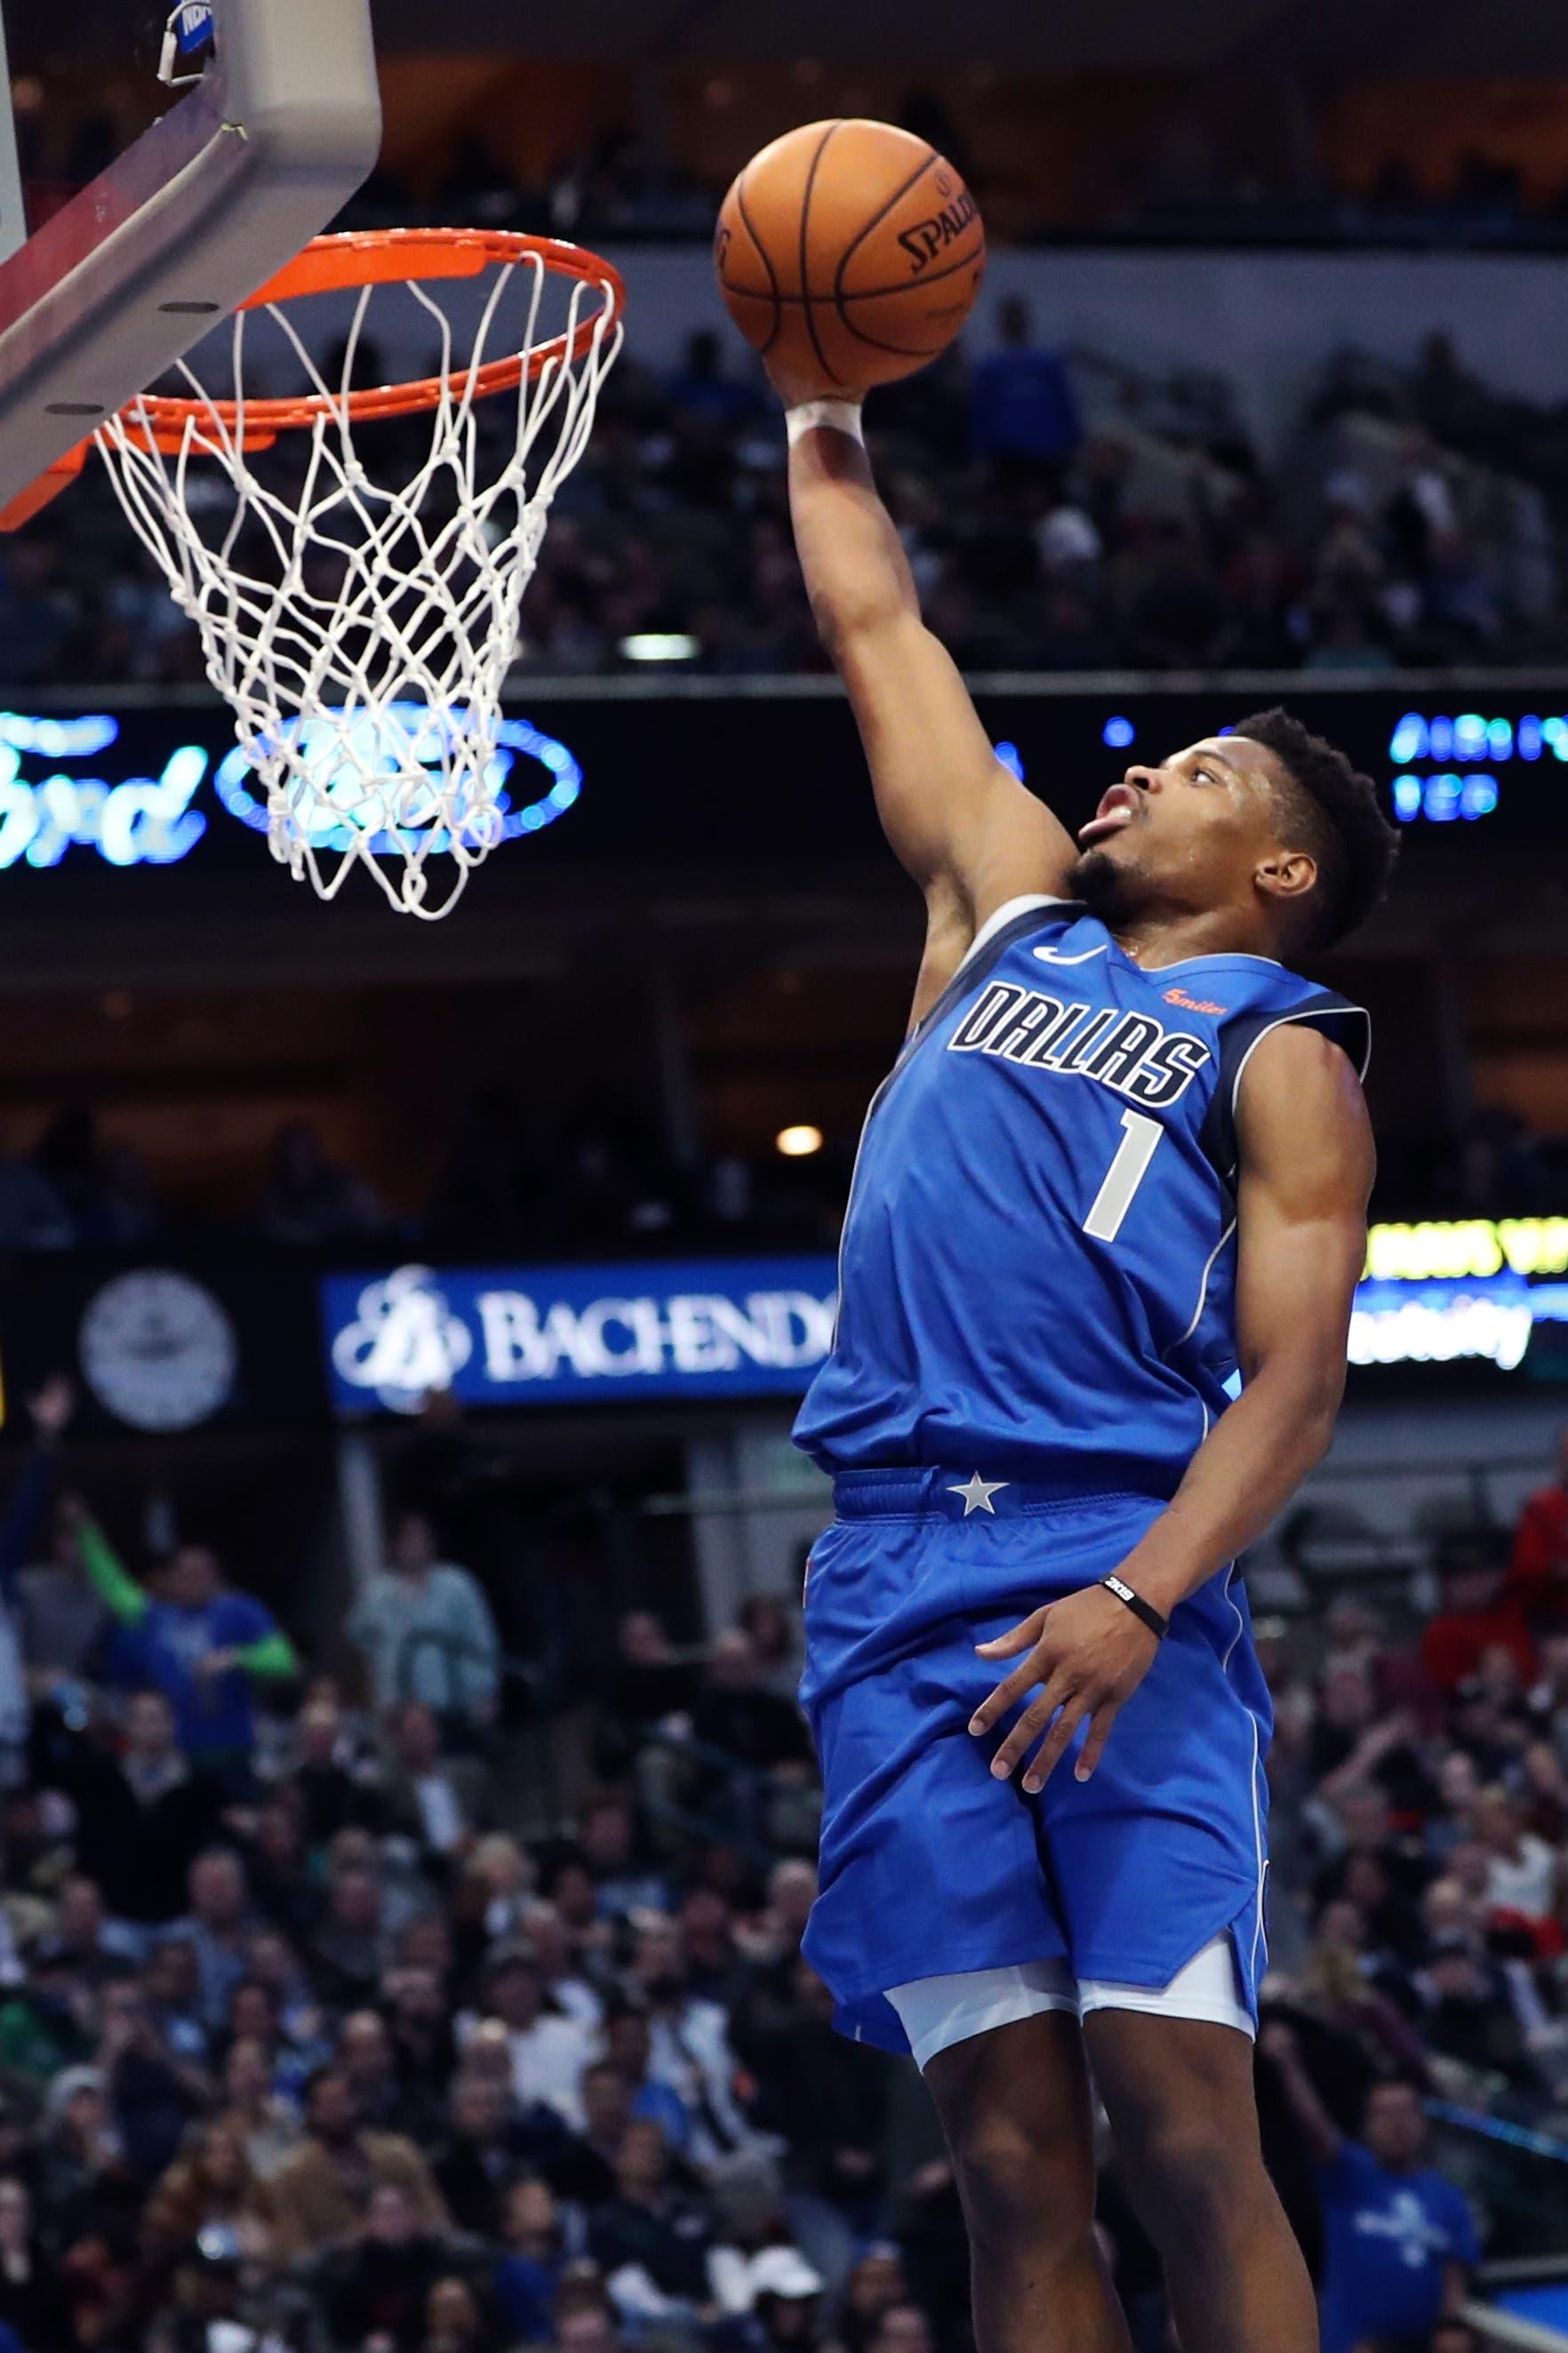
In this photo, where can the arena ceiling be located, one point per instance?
(1443, 36)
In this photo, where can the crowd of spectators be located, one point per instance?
(307, 2047)
(596, 1180)
(1059, 515)
(1186, 186)
(1182, 177)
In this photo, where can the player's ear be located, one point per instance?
(1286, 874)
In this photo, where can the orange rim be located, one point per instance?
(334, 264)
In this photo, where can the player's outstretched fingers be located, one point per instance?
(1008, 1695)
(1017, 1637)
(1098, 1733)
(1033, 1721)
(1049, 1754)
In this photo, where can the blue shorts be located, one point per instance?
(931, 1866)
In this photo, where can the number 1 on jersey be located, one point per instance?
(1123, 1176)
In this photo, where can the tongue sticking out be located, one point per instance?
(1111, 821)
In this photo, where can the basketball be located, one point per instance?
(851, 253)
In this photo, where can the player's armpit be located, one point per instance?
(959, 822)
(1307, 1167)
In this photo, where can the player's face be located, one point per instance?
(1193, 833)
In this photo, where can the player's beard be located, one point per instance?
(1106, 886)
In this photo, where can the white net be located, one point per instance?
(360, 612)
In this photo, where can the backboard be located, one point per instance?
(13, 219)
(280, 128)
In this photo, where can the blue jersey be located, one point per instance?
(1038, 1262)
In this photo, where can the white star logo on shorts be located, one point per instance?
(978, 1494)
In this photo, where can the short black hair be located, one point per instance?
(1333, 808)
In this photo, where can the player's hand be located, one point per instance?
(1090, 1654)
(792, 388)
(51, 1408)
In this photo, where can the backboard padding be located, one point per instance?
(205, 206)
(12, 211)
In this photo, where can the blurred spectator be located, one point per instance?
(775, 1633)
(423, 1797)
(623, 1882)
(688, 2047)
(217, 1927)
(142, 1814)
(347, 1951)
(319, 2192)
(548, 2050)
(1521, 1870)
(426, 1632)
(702, 388)
(583, 2170)
(32, 1215)
(1538, 1580)
(267, 2124)
(827, 2099)
(654, 2244)
(308, 1203)
(736, 1713)
(33, 2299)
(103, 1184)
(210, 2184)
(1478, 1615)
(454, 2322)
(382, 2102)
(331, 1791)
(201, 1643)
(1021, 404)
(1400, 2240)
(61, 1618)
(537, 2239)
(489, 2147)
(650, 1688)
(376, 2292)
(49, 1412)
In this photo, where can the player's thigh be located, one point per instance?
(1164, 1849)
(1018, 2114)
(1178, 2095)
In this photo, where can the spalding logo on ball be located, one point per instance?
(850, 253)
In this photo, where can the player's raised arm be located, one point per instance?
(970, 834)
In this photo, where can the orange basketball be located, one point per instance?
(850, 252)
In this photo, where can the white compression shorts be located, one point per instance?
(936, 2012)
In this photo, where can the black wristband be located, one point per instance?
(1158, 1626)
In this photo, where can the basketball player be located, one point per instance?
(1117, 1180)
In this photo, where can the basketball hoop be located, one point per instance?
(362, 627)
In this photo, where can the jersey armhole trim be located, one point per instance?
(1007, 912)
(1316, 1015)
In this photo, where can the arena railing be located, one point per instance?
(1519, 2176)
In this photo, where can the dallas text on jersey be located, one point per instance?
(1139, 1057)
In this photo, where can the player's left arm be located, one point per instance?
(1307, 1165)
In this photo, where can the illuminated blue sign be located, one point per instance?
(337, 757)
(129, 821)
(564, 1335)
(1455, 785)
(761, 1326)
